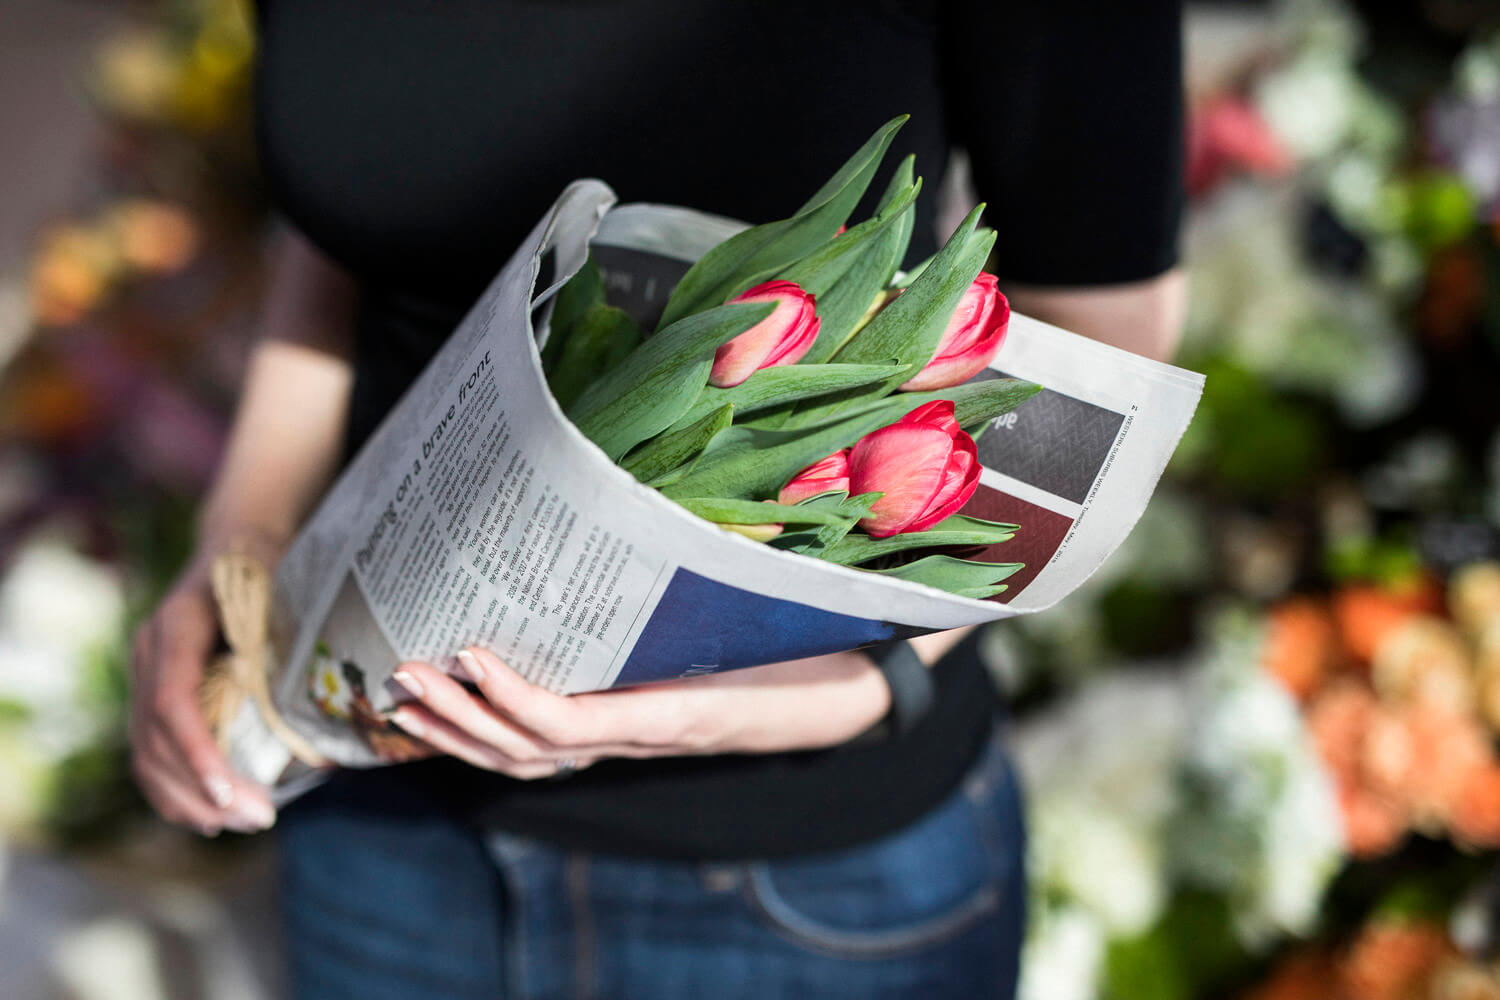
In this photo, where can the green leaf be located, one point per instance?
(755, 462)
(820, 270)
(660, 380)
(751, 463)
(761, 251)
(814, 542)
(674, 449)
(724, 510)
(584, 291)
(845, 304)
(952, 575)
(956, 530)
(911, 327)
(975, 404)
(980, 593)
(598, 341)
(785, 384)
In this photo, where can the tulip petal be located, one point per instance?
(960, 480)
(940, 414)
(971, 340)
(782, 338)
(905, 462)
(828, 475)
(945, 372)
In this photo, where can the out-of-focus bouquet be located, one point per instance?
(121, 342)
(1181, 824)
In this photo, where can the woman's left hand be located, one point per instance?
(525, 731)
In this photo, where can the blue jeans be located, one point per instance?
(387, 907)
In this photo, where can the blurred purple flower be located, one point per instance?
(1465, 135)
(171, 437)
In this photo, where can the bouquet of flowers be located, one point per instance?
(553, 485)
(801, 391)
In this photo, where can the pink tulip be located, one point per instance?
(828, 475)
(971, 340)
(782, 338)
(924, 464)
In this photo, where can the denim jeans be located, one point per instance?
(380, 908)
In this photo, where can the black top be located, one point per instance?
(418, 142)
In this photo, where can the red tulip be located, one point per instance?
(828, 475)
(782, 338)
(924, 464)
(971, 340)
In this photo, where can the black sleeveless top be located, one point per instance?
(418, 141)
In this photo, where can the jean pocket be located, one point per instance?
(904, 893)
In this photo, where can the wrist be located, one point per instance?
(218, 534)
(910, 686)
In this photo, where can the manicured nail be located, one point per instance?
(220, 791)
(409, 722)
(256, 814)
(470, 665)
(408, 682)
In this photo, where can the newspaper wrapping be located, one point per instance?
(477, 514)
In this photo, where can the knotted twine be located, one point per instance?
(242, 591)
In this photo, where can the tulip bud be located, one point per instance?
(925, 466)
(828, 475)
(970, 341)
(782, 338)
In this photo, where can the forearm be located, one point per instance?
(1143, 317)
(288, 429)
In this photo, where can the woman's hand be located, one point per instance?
(177, 763)
(283, 450)
(526, 731)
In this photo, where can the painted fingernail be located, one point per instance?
(256, 814)
(471, 666)
(408, 682)
(220, 791)
(409, 722)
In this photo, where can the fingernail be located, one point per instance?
(220, 791)
(410, 684)
(409, 722)
(470, 665)
(256, 814)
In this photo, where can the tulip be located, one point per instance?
(925, 466)
(970, 341)
(828, 475)
(782, 338)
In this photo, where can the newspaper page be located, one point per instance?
(478, 515)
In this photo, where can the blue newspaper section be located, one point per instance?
(700, 625)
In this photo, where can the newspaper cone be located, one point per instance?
(242, 591)
(479, 514)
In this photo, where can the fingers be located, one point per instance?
(446, 699)
(169, 796)
(448, 737)
(176, 759)
(559, 720)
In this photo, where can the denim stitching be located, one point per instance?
(763, 898)
(989, 773)
(584, 944)
(515, 970)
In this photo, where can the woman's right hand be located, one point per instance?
(176, 760)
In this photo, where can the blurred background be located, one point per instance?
(1260, 745)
